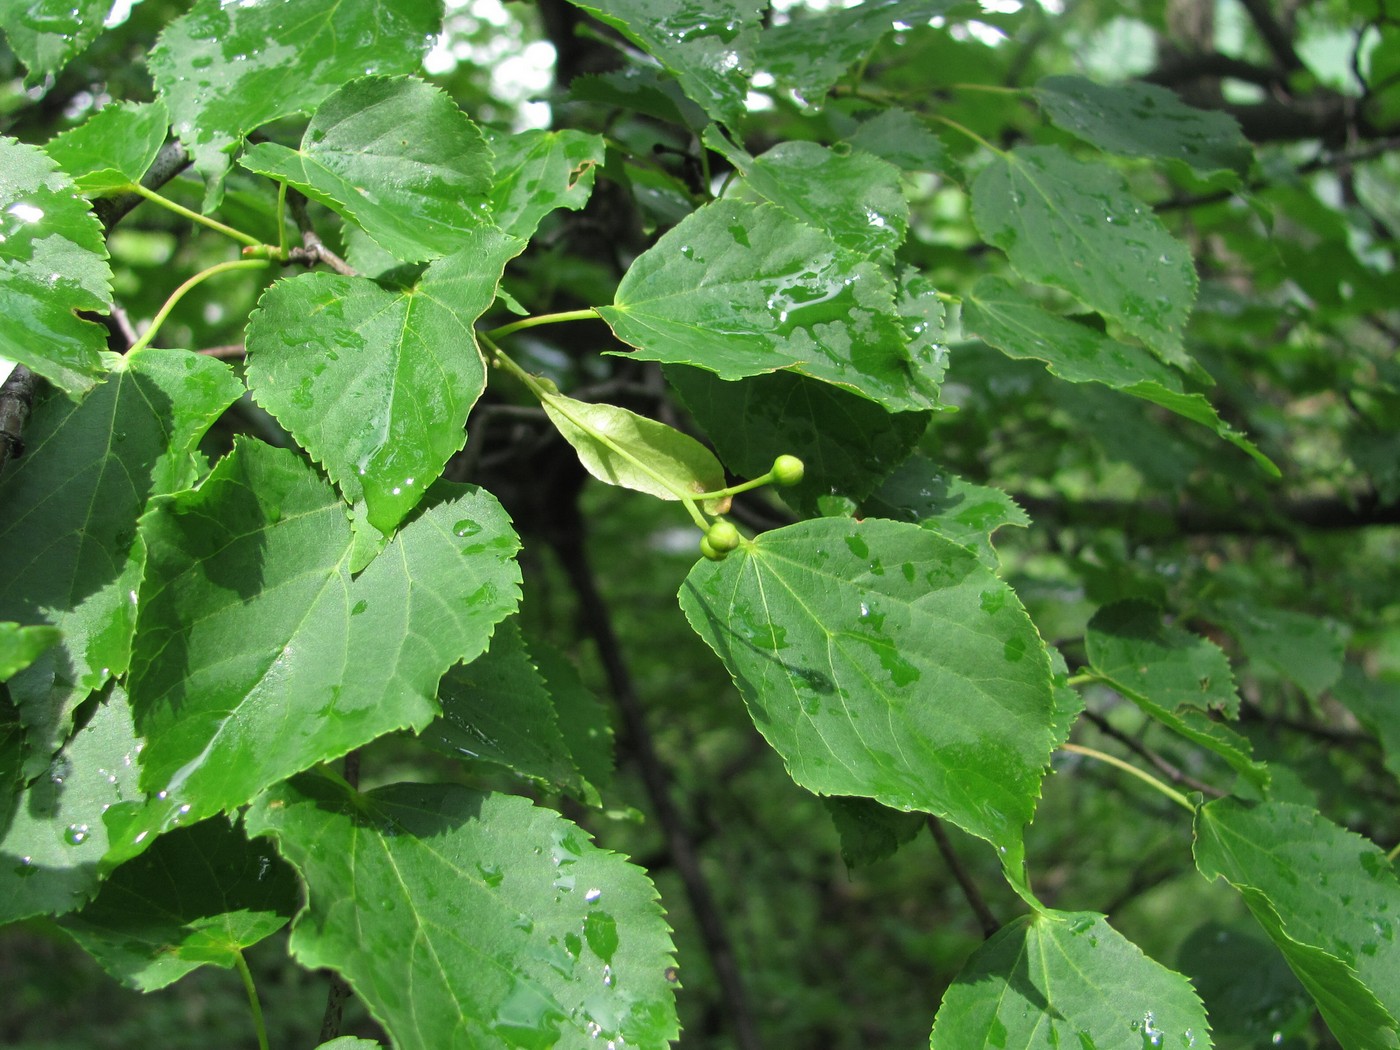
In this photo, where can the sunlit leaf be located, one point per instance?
(376, 382)
(396, 156)
(882, 660)
(199, 896)
(45, 34)
(742, 289)
(20, 646)
(226, 69)
(258, 655)
(1067, 979)
(539, 171)
(543, 940)
(112, 148)
(52, 263)
(1075, 225)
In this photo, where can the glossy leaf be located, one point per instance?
(898, 136)
(225, 69)
(52, 850)
(919, 491)
(884, 661)
(200, 895)
(1075, 225)
(45, 34)
(807, 55)
(1128, 644)
(498, 709)
(1067, 979)
(52, 263)
(1328, 898)
(869, 831)
(376, 382)
(113, 148)
(709, 48)
(20, 646)
(545, 940)
(539, 171)
(1019, 328)
(256, 652)
(854, 197)
(396, 156)
(1144, 120)
(620, 447)
(68, 542)
(741, 289)
(1306, 650)
(846, 443)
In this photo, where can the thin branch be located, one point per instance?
(16, 399)
(172, 159)
(312, 250)
(227, 352)
(597, 618)
(989, 922)
(1176, 775)
(1278, 39)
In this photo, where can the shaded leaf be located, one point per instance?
(376, 382)
(742, 289)
(539, 171)
(1128, 644)
(1145, 120)
(68, 543)
(1067, 979)
(396, 156)
(846, 443)
(53, 262)
(898, 136)
(869, 831)
(543, 939)
(225, 69)
(45, 34)
(1327, 897)
(1075, 226)
(642, 90)
(620, 447)
(256, 652)
(583, 719)
(1304, 649)
(497, 709)
(709, 49)
(199, 896)
(884, 661)
(1376, 705)
(1019, 328)
(854, 197)
(51, 852)
(20, 646)
(113, 148)
(1249, 992)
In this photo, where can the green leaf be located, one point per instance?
(68, 549)
(1251, 996)
(45, 34)
(256, 652)
(709, 48)
(539, 171)
(1128, 644)
(1067, 979)
(1144, 120)
(226, 69)
(376, 382)
(470, 919)
(898, 136)
(854, 197)
(1327, 897)
(396, 156)
(199, 896)
(641, 89)
(742, 289)
(1376, 705)
(869, 831)
(51, 852)
(1075, 226)
(1304, 649)
(52, 263)
(497, 709)
(1020, 329)
(884, 661)
(807, 55)
(921, 492)
(21, 646)
(113, 148)
(620, 447)
(583, 719)
(846, 443)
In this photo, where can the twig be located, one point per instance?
(970, 889)
(595, 614)
(1176, 775)
(227, 352)
(170, 161)
(16, 399)
(312, 250)
(1277, 39)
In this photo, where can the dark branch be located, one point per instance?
(1182, 69)
(16, 399)
(312, 250)
(1276, 38)
(989, 922)
(1175, 774)
(172, 159)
